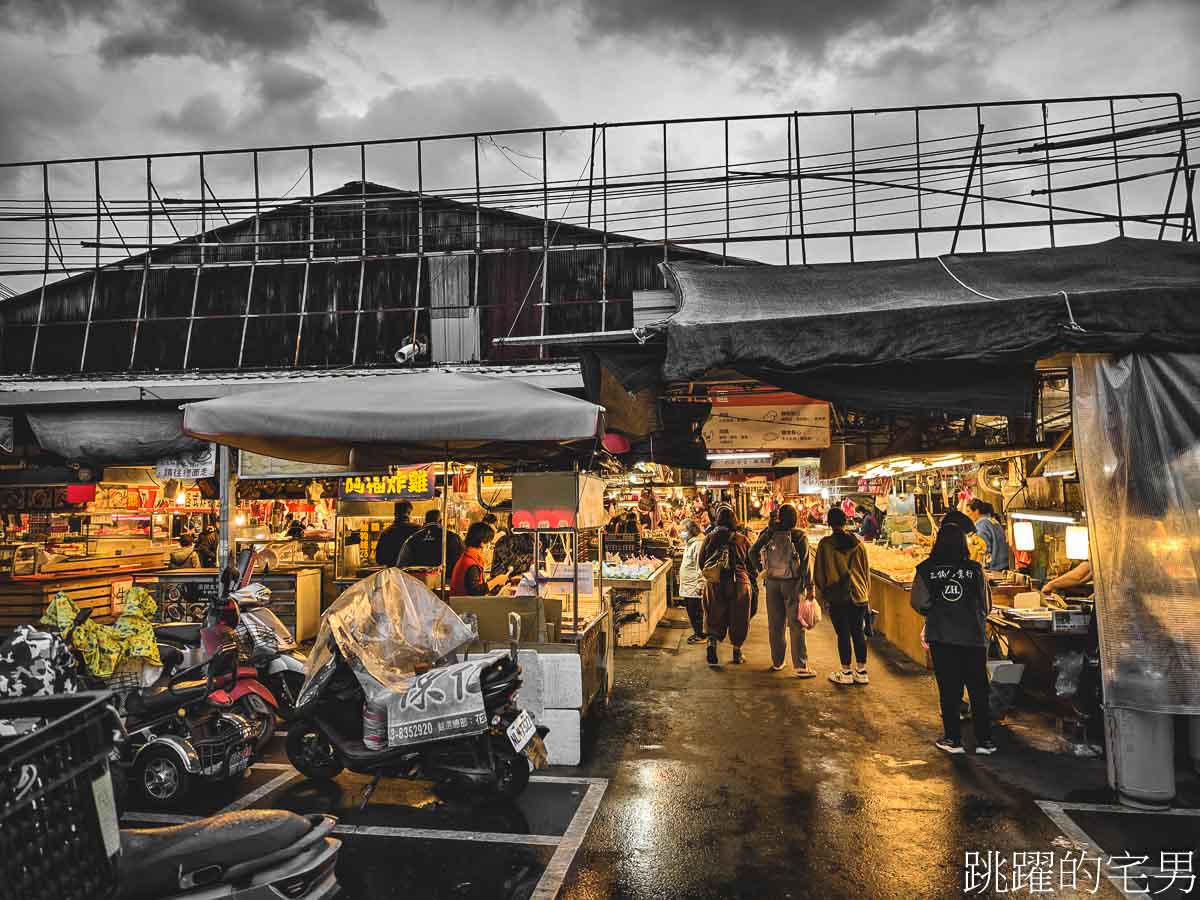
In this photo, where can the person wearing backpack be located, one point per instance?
(784, 553)
(951, 592)
(691, 582)
(842, 576)
(725, 564)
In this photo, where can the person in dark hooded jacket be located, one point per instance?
(951, 592)
(842, 575)
(727, 602)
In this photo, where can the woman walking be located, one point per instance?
(843, 578)
(784, 551)
(951, 592)
(691, 581)
(727, 594)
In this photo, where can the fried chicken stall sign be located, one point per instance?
(773, 421)
(400, 484)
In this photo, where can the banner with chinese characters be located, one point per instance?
(415, 483)
(767, 422)
(200, 462)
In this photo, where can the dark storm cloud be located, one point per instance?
(225, 29)
(25, 14)
(283, 83)
(806, 27)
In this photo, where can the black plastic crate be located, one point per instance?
(59, 837)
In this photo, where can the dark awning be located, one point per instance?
(921, 326)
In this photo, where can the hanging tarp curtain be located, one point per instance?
(412, 418)
(971, 316)
(116, 435)
(1137, 439)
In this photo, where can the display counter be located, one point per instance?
(638, 604)
(897, 620)
(23, 599)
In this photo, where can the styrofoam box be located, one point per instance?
(530, 697)
(563, 741)
(562, 681)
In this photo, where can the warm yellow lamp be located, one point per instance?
(1023, 535)
(1077, 542)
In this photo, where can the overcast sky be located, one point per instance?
(91, 77)
(82, 77)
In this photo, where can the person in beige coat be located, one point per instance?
(842, 575)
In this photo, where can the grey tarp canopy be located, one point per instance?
(959, 330)
(414, 418)
(112, 434)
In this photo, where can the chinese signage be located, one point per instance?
(198, 463)
(401, 484)
(442, 703)
(116, 595)
(767, 423)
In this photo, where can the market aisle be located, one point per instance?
(738, 782)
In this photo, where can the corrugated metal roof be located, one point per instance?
(53, 390)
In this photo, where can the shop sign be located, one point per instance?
(749, 424)
(116, 595)
(401, 484)
(198, 463)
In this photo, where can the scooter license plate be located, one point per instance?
(239, 760)
(521, 731)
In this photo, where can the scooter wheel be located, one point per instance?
(512, 773)
(161, 777)
(311, 752)
(262, 717)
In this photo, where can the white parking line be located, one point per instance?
(261, 791)
(445, 834)
(552, 879)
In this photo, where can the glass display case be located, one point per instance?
(357, 536)
(288, 553)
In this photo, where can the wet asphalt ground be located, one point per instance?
(736, 782)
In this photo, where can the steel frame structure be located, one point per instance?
(1142, 140)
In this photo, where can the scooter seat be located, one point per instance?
(153, 859)
(163, 696)
(179, 633)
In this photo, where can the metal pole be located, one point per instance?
(227, 498)
(604, 237)
(1112, 121)
(920, 216)
(982, 203)
(545, 245)
(725, 243)
(1049, 189)
(591, 173)
(1162, 228)
(853, 187)
(445, 524)
(962, 207)
(787, 245)
(477, 350)
(799, 188)
(666, 202)
(420, 246)
(362, 268)
(312, 223)
(253, 260)
(187, 347)
(87, 329)
(146, 260)
(1189, 175)
(37, 328)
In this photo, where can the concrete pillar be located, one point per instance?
(1141, 757)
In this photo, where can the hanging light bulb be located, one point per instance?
(181, 498)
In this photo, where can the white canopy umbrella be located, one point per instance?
(407, 418)
(414, 417)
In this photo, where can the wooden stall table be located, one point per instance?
(23, 598)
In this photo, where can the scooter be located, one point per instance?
(181, 729)
(264, 640)
(246, 855)
(190, 643)
(327, 733)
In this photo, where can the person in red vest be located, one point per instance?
(468, 578)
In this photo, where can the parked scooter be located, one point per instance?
(247, 855)
(182, 729)
(265, 643)
(188, 644)
(327, 734)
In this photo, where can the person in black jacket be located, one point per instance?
(727, 602)
(951, 592)
(387, 550)
(424, 548)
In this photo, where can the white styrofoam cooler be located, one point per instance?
(563, 743)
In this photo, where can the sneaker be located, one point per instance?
(775, 668)
(987, 748)
(696, 639)
(949, 746)
(861, 676)
(840, 677)
(712, 654)
(805, 672)
(738, 659)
